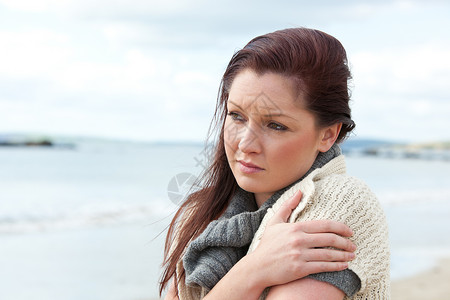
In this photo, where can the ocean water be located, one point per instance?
(88, 223)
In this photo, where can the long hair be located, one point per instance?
(317, 63)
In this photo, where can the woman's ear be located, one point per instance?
(328, 136)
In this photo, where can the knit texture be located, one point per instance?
(328, 193)
(225, 241)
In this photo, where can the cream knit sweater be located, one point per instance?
(328, 193)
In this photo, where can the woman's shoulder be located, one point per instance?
(346, 194)
(340, 197)
(344, 186)
(349, 200)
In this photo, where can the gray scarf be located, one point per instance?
(226, 240)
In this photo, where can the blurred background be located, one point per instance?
(104, 107)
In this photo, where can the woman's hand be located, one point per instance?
(289, 251)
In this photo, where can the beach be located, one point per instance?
(432, 284)
(88, 223)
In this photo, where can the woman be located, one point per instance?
(282, 109)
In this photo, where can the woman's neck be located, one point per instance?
(260, 198)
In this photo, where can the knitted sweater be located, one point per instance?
(348, 192)
(328, 193)
(221, 245)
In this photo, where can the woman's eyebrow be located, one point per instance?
(235, 104)
(276, 112)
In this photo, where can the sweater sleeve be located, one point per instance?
(348, 200)
(330, 194)
(346, 280)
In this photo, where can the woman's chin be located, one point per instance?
(252, 186)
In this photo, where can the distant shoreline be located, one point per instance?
(44, 143)
(439, 151)
(402, 152)
(36, 143)
(33, 144)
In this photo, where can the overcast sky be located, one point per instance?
(150, 70)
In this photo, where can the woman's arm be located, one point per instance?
(242, 281)
(292, 253)
(305, 289)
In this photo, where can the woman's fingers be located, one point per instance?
(282, 215)
(319, 240)
(328, 255)
(321, 266)
(323, 226)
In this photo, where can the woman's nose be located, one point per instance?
(249, 140)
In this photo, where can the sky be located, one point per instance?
(150, 70)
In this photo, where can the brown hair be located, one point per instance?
(317, 62)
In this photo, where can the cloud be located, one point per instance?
(35, 6)
(148, 68)
(401, 92)
(33, 52)
(417, 71)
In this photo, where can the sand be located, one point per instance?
(433, 284)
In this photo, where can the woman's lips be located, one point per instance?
(248, 168)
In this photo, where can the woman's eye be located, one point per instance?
(235, 116)
(276, 126)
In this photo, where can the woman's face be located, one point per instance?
(270, 139)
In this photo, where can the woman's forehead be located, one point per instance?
(267, 92)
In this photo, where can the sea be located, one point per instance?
(89, 221)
